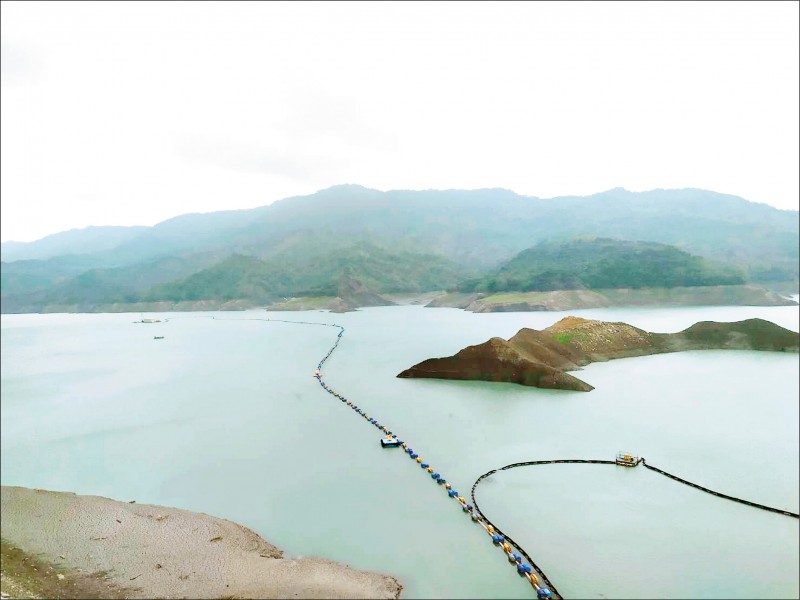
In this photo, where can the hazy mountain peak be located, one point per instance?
(615, 190)
(352, 188)
(84, 240)
(477, 229)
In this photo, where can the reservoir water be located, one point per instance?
(223, 416)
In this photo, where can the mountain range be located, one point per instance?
(395, 241)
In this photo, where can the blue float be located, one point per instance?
(497, 538)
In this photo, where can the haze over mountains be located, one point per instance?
(394, 241)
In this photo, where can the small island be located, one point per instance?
(541, 358)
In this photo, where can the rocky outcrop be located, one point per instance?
(541, 358)
(353, 293)
(540, 301)
(454, 300)
(507, 361)
(752, 334)
(604, 340)
(338, 305)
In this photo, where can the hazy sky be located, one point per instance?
(119, 113)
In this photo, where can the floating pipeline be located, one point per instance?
(720, 494)
(643, 462)
(599, 462)
(507, 545)
(529, 570)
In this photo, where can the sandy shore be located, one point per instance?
(154, 551)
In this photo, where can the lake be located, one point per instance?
(223, 416)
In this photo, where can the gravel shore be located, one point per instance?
(148, 551)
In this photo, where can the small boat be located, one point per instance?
(158, 337)
(390, 443)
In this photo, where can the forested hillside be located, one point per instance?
(393, 241)
(603, 263)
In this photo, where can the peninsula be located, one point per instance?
(541, 358)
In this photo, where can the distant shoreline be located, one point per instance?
(558, 300)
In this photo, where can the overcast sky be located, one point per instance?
(120, 113)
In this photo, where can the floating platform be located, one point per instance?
(626, 459)
(390, 443)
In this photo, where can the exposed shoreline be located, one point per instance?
(147, 551)
(561, 300)
(557, 300)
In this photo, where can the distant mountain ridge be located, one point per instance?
(457, 233)
(74, 241)
(339, 202)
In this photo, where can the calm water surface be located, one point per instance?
(223, 417)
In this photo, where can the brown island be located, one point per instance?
(541, 358)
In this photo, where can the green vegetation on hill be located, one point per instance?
(395, 241)
(601, 263)
(235, 277)
(27, 286)
(317, 274)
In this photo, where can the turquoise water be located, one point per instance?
(224, 417)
